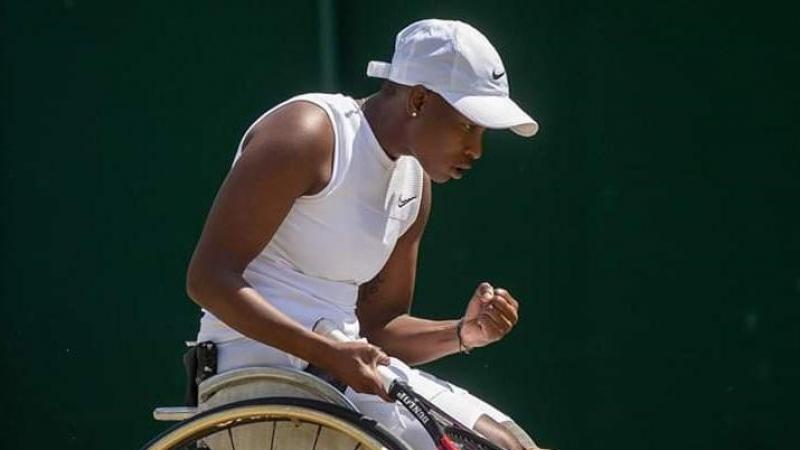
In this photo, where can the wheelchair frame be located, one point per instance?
(301, 407)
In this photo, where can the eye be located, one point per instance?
(468, 127)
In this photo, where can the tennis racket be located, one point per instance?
(446, 432)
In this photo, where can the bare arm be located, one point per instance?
(385, 301)
(384, 305)
(288, 155)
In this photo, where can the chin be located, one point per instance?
(440, 179)
(437, 177)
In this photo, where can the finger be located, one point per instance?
(492, 328)
(374, 387)
(379, 390)
(382, 358)
(500, 292)
(503, 314)
(506, 309)
(369, 382)
(378, 356)
(503, 323)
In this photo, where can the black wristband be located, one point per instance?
(461, 347)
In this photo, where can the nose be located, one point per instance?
(474, 150)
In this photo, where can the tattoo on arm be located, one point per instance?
(369, 289)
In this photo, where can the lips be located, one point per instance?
(458, 171)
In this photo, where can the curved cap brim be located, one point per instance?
(493, 111)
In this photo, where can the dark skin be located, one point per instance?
(288, 155)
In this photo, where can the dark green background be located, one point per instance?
(651, 231)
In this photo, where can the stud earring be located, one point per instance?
(413, 114)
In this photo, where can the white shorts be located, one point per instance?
(455, 401)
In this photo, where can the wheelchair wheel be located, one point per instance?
(277, 423)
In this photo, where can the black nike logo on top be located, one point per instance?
(496, 75)
(403, 202)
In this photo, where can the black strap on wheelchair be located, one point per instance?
(200, 363)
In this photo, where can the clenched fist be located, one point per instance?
(491, 314)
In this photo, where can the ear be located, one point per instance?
(417, 97)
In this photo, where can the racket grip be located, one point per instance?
(329, 329)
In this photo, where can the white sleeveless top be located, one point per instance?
(332, 241)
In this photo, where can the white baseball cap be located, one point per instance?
(457, 62)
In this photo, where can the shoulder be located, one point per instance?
(299, 125)
(297, 137)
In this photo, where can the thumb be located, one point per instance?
(378, 357)
(485, 292)
(483, 295)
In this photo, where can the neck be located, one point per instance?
(383, 120)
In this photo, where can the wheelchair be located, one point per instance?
(270, 408)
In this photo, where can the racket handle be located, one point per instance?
(329, 329)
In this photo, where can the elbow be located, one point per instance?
(208, 282)
(377, 329)
(198, 283)
(194, 287)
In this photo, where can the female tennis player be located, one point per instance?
(322, 213)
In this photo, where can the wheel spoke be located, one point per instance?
(230, 436)
(316, 438)
(295, 424)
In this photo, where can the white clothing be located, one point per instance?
(341, 237)
(330, 243)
